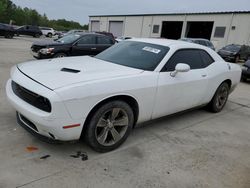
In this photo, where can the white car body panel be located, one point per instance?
(91, 69)
(74, 95)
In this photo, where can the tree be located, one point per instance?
(25, 16)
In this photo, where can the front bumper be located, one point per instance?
(38, 55)
(228, 58)
(46, 124)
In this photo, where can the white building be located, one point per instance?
(221, 28)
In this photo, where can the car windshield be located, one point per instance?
(233, 48)
(68, 38)
(134, 54)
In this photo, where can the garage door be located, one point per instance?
(95, 26)
(116, 28)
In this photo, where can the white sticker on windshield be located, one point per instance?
(150, 49)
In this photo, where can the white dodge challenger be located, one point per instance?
(103, 97)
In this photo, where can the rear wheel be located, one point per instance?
(8, 36)
(243, 79)
(219, 99)
(109, 126)
(60, 55)
(49, 35)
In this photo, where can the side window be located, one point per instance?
(209, 43)
(206, 58)
(87, 40)
(104, 40)
(188, 56)
(202, 42)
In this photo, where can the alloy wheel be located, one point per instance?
(221, 98)
(112, 126)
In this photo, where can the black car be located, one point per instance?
(6, 30)
(245, 71)
(72, 45)
(235, 52)
(29, 30)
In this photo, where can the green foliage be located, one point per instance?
(25, 16)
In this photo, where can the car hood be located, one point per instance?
(47, 43)
(61, 72)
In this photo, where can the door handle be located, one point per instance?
(93, 48)
(204, 75)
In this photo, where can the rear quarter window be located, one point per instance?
(206, 58)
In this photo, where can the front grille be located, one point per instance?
(30, 97)
(27, 122)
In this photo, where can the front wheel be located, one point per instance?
(37, 36)
(219, 99)
(109, 126)
(60, 55)
(49, 35)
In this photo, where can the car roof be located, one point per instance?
(167, 42)
(196, 39)
(88, 33)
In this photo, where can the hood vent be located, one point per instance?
(70, 70)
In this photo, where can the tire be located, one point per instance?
(49, 35)
(8, 36)
(243, 79)
(109, 126)
(37, 36)
(219, 99)
(60, 55)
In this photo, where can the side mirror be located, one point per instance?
(180, 67)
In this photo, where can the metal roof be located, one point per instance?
(169, 14)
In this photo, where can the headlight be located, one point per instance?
(46, 50)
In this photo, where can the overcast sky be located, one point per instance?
(79, 10)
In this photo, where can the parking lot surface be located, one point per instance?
(194, 149)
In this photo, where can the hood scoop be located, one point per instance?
(70, 70)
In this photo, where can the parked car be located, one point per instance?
(71, 45)
(203, 42)
(246, 71)
(107, 34)
(29, 30)
(62, 34)
(235, 52)
(103, 97)
(6, 30)
(48, 32)
(122, 38)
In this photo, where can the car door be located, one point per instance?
(186, 89)
(103, 42)
(86, 45)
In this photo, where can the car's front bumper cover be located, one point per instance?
(47, 124)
